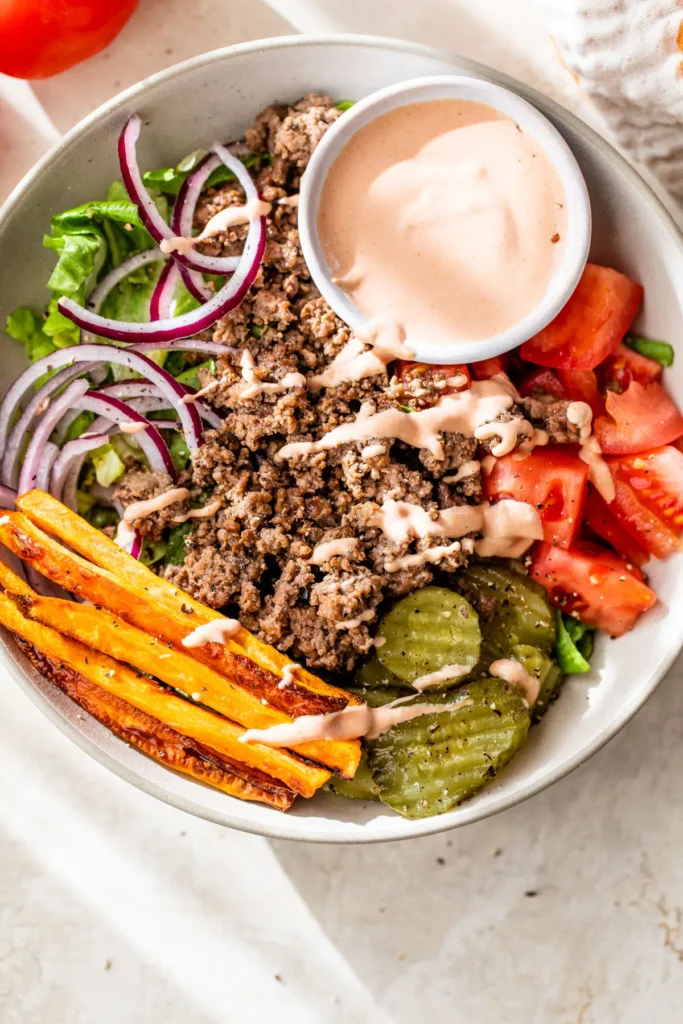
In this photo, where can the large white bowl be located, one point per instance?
(217, 96)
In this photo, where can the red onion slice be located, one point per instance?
(64, 463)
(33, 469)
(225, 300)
(118, 274)
(134, 361)
(132, 390)
(162, 296)
(15, 441)
(195, 284)
(7, 497)
(149, 439)
(128, 538)
(211, 348)
(150, 216)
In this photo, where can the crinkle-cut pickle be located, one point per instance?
(543, 668)
(514, 610)
(428, 630)
(361, 787)
(373, 673)
(430, 764)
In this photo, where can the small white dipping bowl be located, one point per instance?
(462, 87)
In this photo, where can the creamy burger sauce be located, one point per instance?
(446, 217)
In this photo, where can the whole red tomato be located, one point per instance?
(39, 38)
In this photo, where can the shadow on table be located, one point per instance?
(466, 926)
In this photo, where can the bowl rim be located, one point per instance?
(425, 89)
(280, 827)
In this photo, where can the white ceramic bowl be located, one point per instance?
(216, 96)
(478, 90)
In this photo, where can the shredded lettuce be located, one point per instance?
(661, 351)
(27, 327)
(191, 375)
(345, 105)
(574, 646)
(107, 464)
(168, 180)
(175, 550)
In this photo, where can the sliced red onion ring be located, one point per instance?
(149, 439)
(7, 497)
(115, 276)
(128, 538)
(64, 462)
(132, 390)
(33, 470)
(195, 284)
(150, 216)
(228, 298)
(211, 348)
(162, 296)
(134, 361)
(182, 217)
(15, 441)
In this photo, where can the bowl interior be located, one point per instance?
(217, 96)
(532, 121)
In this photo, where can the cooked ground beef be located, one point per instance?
(550, 413)
(253, 555)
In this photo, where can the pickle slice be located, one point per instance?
(374, 673)
(513, 610)
(428, 630)
(430, 764)
(361, 787)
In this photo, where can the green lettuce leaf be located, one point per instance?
(27, 327)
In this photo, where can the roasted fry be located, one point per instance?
(157, 740)
(185, 717)
(128, 596)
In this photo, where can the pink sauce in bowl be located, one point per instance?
(449, 209)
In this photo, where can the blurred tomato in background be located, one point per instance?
(39, 38)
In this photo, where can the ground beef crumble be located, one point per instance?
(252, 557)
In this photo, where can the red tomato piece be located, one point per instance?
(643, 416)
(603, 522)
(627, 365)
(649, 498)
(542, 380)
(487, 368)
(39, 38)
(553, 480)
(591, 325)
(582, 386)
(594, 584)
(407, 370)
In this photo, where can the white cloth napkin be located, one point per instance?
(627, 58)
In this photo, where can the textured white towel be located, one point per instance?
(626, 55)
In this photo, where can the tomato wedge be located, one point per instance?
(582, 386)
(627, 365)
(406, 370)
(553, 480)
(594, 584)
(643, 416)
(487, 368)
(591, 325)
(542, 380)
(601, 520)
(649, 498)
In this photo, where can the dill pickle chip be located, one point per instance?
(427, 631)
(374, 673)
(377, 696)
(361, 787)
(543, 668)
(430, 764)
(513, 609)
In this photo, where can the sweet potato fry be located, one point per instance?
(249, 682)
(58, 520)
(185, 717)
(157, 740)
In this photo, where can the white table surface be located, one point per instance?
(115, 909)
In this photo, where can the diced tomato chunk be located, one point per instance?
(603, 522)
(591, 325)
(649, 498)
(642, 417)
(407, 370)
(553, 480)
(544, 380)
(487, 368)
(627, 365)
(582, 386)
(594, 584)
